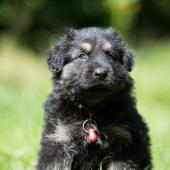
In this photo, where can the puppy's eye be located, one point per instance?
(109, 54)
(115, 56)
(82, 56)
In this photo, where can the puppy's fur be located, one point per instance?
(91, 81)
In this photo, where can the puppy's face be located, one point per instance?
(91, 63)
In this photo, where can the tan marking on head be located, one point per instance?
(87, 47)
(107, 46)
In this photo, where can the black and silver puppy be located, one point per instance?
(91, 118)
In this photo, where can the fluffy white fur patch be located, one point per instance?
(62, 133)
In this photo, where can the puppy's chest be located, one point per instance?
(117, 134)
(73, 127)
(78, 133)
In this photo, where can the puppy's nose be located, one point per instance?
(100, 73)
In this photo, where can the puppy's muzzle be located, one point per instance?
(100, 73)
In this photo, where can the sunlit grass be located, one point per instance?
(25, 83)
(153, 94)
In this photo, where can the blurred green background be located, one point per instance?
(29, 27)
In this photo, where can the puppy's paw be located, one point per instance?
(120, 166)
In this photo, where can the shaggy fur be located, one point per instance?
(91, 81)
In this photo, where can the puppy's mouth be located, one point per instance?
(95, 94)
(98, 89)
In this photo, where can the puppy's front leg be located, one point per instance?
(119, 166)
(58, 150)
(56, 156)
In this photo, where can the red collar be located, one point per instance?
(89, 111)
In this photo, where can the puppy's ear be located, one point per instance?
(70, 34)
(57, 55)
(128, 59)
(128, 56)
(55, 58)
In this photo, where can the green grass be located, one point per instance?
(25, 83)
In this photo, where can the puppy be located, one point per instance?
(91, 119)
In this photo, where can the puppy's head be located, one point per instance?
(91, 63)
